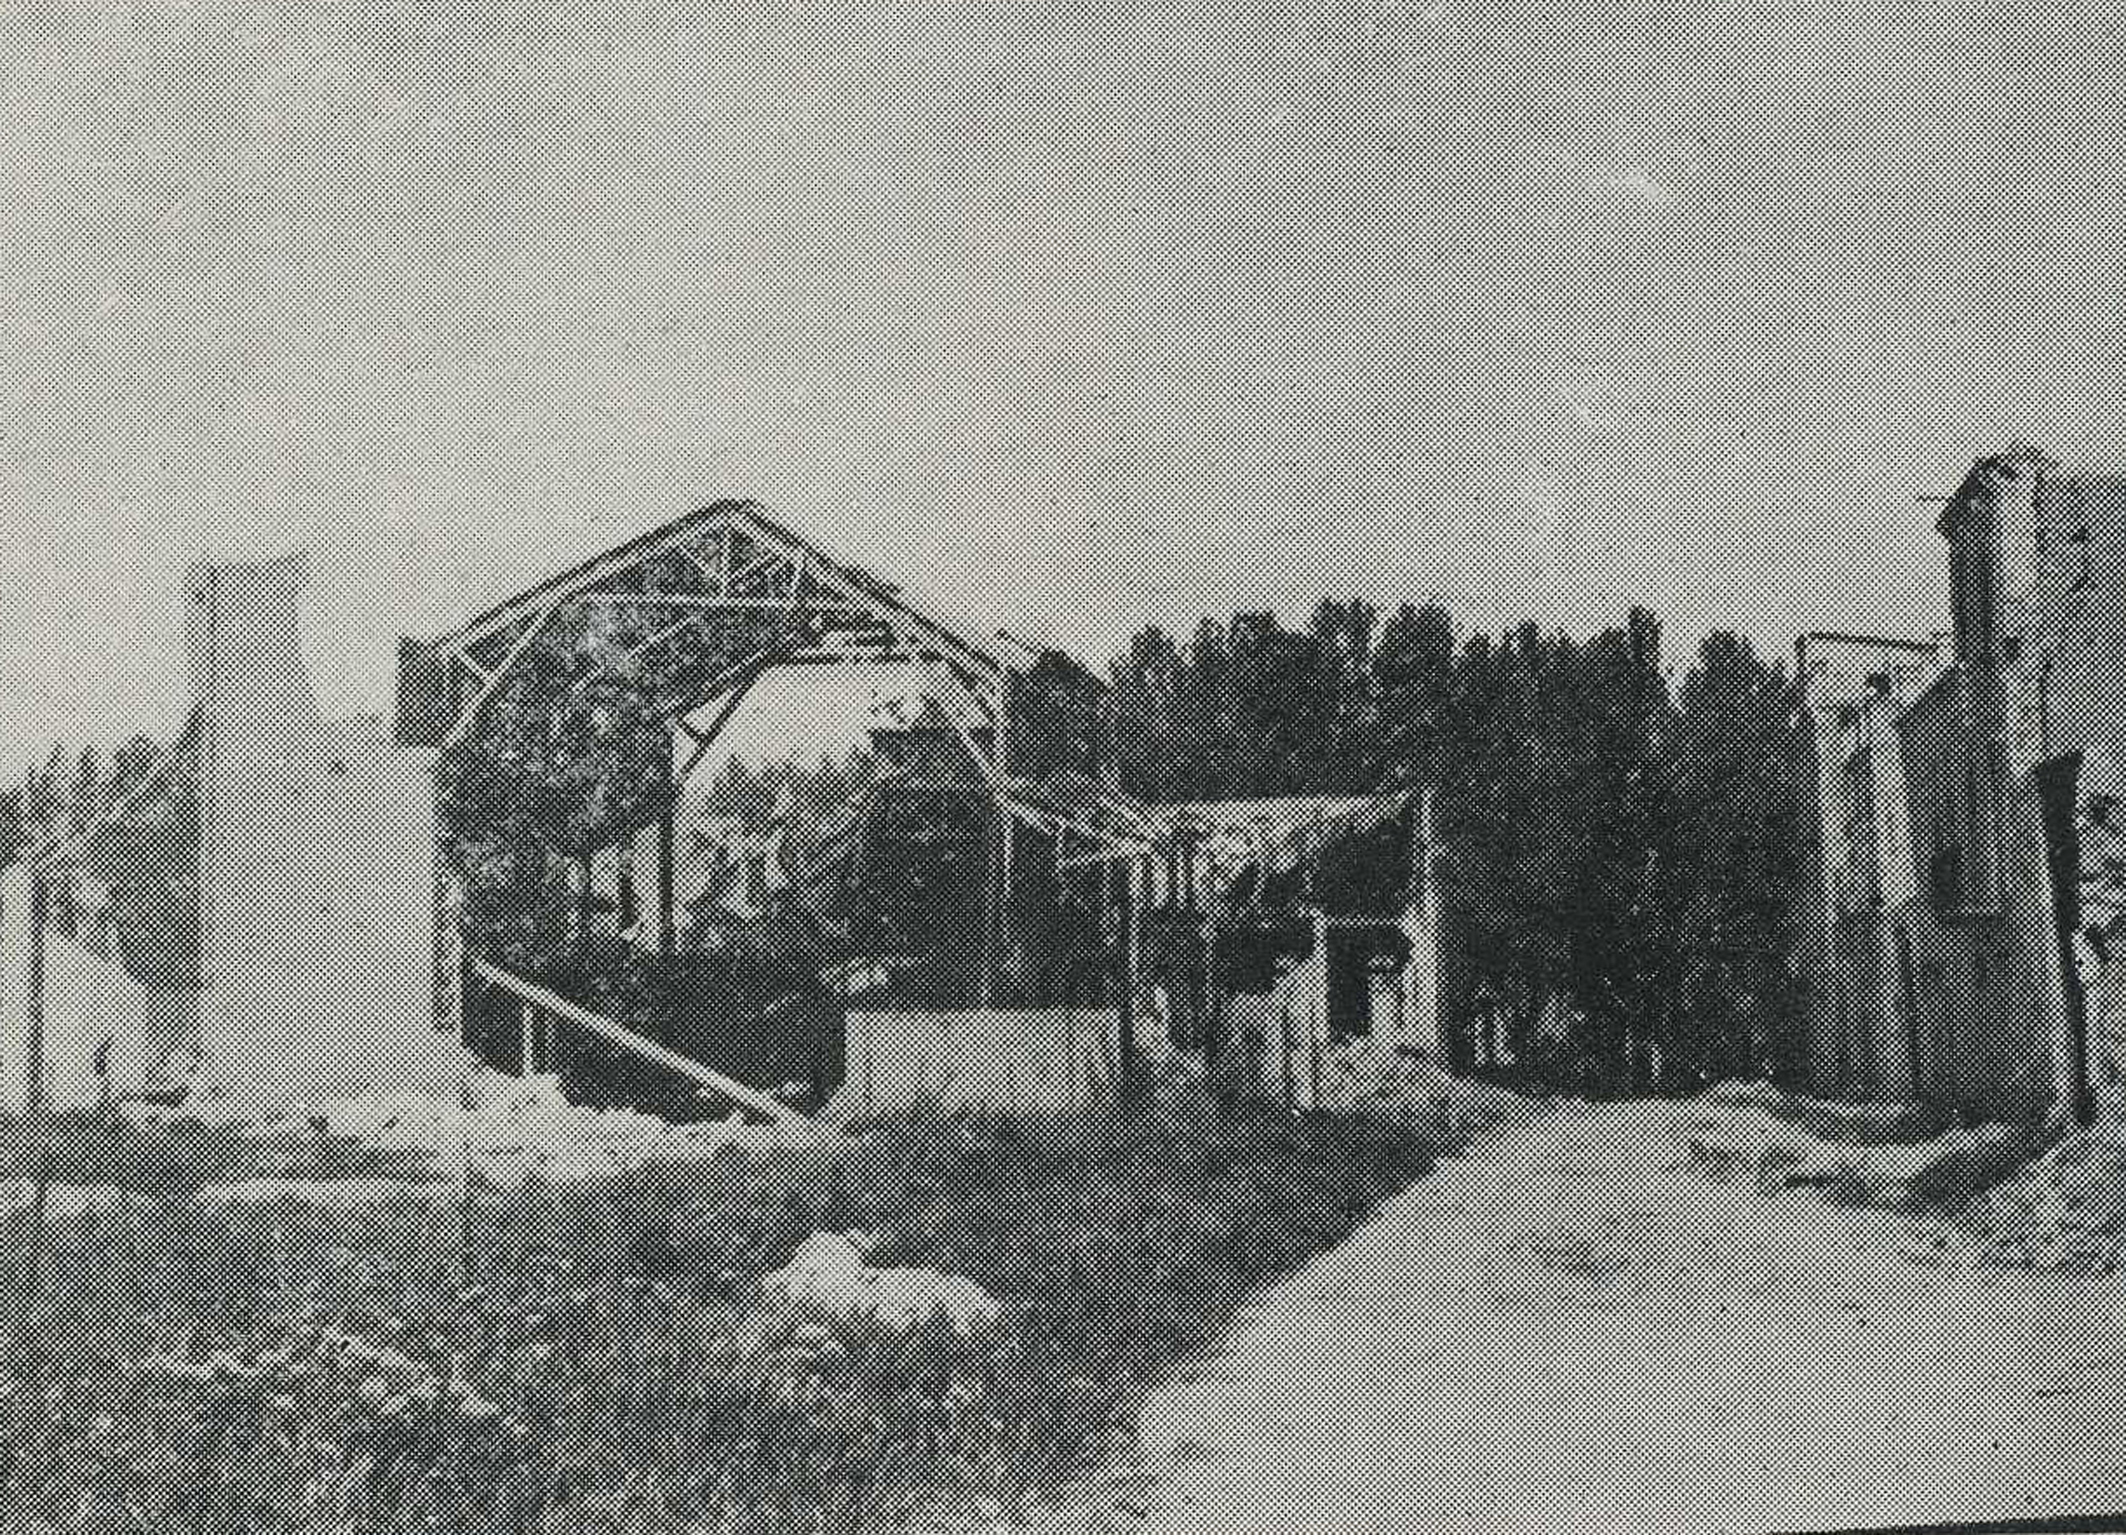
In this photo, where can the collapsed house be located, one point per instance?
(526, 869)
(1967, 883)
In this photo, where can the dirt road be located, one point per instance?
(1567, 1327)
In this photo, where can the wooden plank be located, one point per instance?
(604, 567)
(704, 739)
(667, 850)
(709, 573)
(862, 587)
(647, 1048)
(759, 567)
(983, 761)
(741, 674)
(1128, 952)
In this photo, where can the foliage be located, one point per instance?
(603, 1356)
(146, 865)
(1617, 851)
(13, 834)
(570, 746)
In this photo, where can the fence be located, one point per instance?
(1006, 1060)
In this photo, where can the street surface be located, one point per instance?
(1569, 1327)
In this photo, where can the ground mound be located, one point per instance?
(2064, 1209)
(1367, 1076)
(1889, 1155)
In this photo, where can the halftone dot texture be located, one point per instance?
(1089, 318)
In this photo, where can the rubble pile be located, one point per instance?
(1365, 1075)
(1857, 1124)
(516, 1129)
(2065, 1210)
(1732, 1140)
(828, 1277)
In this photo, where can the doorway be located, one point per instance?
(2056, 781)
(1919, 1058)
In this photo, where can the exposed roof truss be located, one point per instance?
(727, 582)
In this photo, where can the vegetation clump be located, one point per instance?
(569, 1357)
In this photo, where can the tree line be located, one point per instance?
(1617, 849)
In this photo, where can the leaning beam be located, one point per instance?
(649, 1049)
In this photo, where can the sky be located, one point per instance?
(1077, 318)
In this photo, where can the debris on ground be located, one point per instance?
(517, 1129)
(1731, 1140)
(1369, 1075)
(828, 1277)
(1858, 1124)
(2065, 1210)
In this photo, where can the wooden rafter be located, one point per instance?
(737, 681)
(709, 573)
(882, 597)
(987, 709)
(668, 632)
(773, 560)
(677, 600)
(473, 710)
(592, 573)
(735, 529)
(948, 701)
(736, 672)
(730, 559)
(706, 736)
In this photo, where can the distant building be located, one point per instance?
(1973, 953)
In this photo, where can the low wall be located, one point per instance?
(1010, 1061)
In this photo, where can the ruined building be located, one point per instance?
(1968, 868)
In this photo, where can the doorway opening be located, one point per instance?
(2056, 781)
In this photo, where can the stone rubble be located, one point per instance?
(828, 1277)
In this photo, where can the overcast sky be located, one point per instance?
(1078, 323)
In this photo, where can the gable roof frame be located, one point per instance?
(786, 572)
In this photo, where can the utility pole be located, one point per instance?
(39, 1135)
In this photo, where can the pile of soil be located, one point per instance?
(1848, 1151)
(2064, 1210)
(1851, 1124)
(1367, 1076)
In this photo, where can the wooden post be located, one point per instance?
(1291, 1084)
(996, 891)
(667, 846)
(40, 1139)
(33, 1086)
(1126, 989)
(1423, 973)
(1318, 1003)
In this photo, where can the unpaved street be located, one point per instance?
(1568, 1327)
